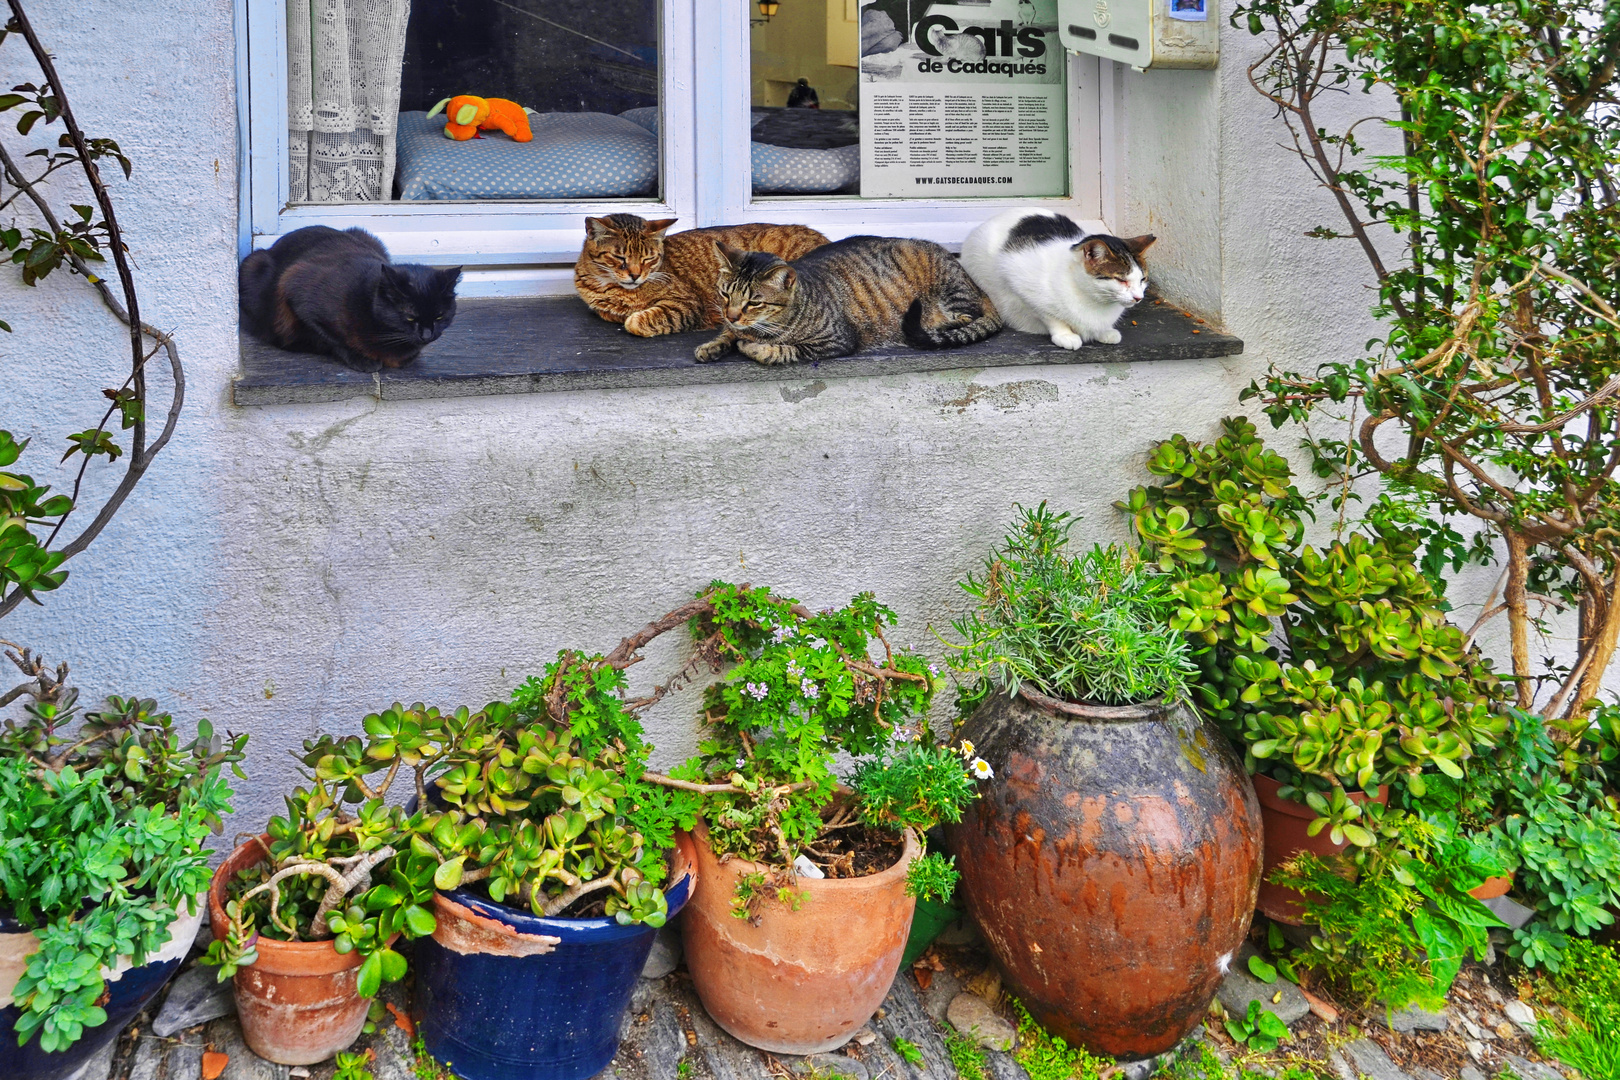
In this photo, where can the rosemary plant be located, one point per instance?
(1092, 627)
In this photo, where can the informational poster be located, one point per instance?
(961, 99)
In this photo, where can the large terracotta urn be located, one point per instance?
(1111, 863)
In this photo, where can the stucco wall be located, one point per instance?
(284, 570)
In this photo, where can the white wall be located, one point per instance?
(284, 570)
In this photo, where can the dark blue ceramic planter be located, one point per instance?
(127, 995)
(492, 1015)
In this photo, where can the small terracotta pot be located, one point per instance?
(1491, 888)
(1285, 824)
(297, 1002)
(801, 982)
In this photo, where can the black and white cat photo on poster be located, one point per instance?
(962, 99)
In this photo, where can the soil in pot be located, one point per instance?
(129, 990)
(1286, 823)
(502, 994)
(297, 1002)
(798, 981)
(1111, 865)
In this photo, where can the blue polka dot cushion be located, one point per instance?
(786, 170)
(573, 156)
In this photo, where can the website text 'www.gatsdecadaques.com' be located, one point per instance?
(964, 179)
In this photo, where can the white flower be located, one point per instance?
(757, 690)
(981, 769)
(794, 670)
(811, 690)
(966, 749)
(933, 669)
(781, 634)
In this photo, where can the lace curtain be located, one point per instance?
(343, 72)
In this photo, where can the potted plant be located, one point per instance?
(1541, 811)
(103, 817)
(305, 916)
(535, 863)
(806, 886)
(1113, 863)
(1334, 670)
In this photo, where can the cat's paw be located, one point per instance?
(359, 361)
(768, 354)
(711, 350)
(1066, 339)
(648, 323)
(1109, 337)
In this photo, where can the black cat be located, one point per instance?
(324, 291)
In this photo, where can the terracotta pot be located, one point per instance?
(1286, 822)
(1111, 864)
(297, 1002)
(503, 994)
(801, 982)
(1491, 888)
(129, 990)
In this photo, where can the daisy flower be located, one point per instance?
(981, 769)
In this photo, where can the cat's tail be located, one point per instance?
(950, 330)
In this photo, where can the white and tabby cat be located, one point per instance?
(1047, 276)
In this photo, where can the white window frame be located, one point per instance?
(704, 56)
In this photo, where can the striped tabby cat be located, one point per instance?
(629, 272)
(852, 295)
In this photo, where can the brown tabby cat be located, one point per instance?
(839, 299)
(629, 272)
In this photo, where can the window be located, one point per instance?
(703, 82)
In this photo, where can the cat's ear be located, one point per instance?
(598, 228)
(392, 282)
(731, 255)
(782, 278)
(656, 228)
(449, 278)
(1093, 250)
(1139, 244)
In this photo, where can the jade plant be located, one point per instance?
(537, 802)
(803, 688)
(332, 872)
(1333, 669)
(1091, 627)
(103, 818)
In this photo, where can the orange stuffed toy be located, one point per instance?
(467, 115)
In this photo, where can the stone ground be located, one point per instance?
(1483, 1033)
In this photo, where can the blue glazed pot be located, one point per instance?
(129, 991)
(502, 994)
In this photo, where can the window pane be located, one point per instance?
(566, 107)
(918, 98)
(806, 131)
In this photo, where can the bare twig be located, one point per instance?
(140, 455)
